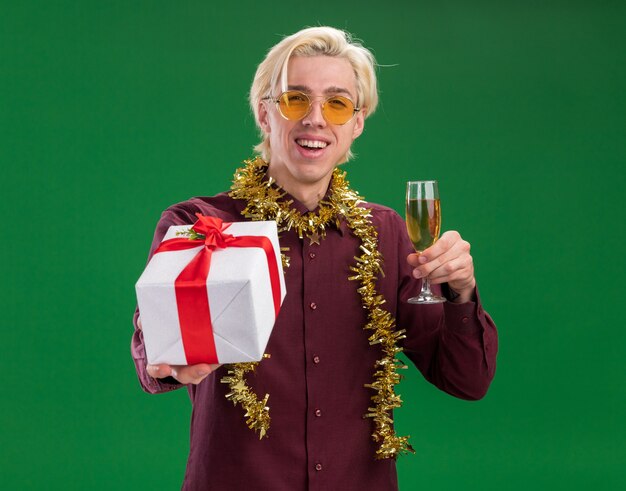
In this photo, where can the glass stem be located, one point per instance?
(426, 288)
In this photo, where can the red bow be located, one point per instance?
(212, 228)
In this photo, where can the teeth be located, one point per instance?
(311, 143)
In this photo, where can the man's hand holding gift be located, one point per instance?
(185, 374)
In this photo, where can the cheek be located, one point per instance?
(279, 136)
(281, 130)
(347, 137)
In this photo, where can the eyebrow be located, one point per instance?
(330, 90)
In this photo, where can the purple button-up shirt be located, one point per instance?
(320, 362)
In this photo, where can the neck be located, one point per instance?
(308, 194)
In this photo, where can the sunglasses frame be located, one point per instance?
(310, 99)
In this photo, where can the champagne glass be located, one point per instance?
(423, 222)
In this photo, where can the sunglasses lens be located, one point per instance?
(294, 105)
(338, 110)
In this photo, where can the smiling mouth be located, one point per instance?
(315, 144)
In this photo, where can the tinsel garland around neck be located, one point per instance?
(265, 201)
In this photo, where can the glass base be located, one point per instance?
(426, 299)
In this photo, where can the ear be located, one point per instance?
(264, 119)
(359, 124)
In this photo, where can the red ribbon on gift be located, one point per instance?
(192, 299)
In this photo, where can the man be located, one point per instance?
(311, 96)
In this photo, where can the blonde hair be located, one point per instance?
(313, 41)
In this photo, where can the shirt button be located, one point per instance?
(464, 319)
(318, 412)
(312, 255)
(316, 359)
(313, 305)
(318, 467)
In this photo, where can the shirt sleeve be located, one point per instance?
(175, 215)
(453, 345)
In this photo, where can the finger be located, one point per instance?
(159, 371)
(464, 288)
(413, 259)
(192, 374)
(459, 270)
(458, 258)
(445, 242)
(139, 326)
(459, 275)
(460, 249)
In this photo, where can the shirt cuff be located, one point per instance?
(461, 317)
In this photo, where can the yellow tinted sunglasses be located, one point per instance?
(295, 105)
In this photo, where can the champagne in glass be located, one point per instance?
(423, 223)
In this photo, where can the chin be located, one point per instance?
(308, 177)
(311, 172)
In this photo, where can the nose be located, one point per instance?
(315, 117)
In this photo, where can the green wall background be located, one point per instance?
(111, 111)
